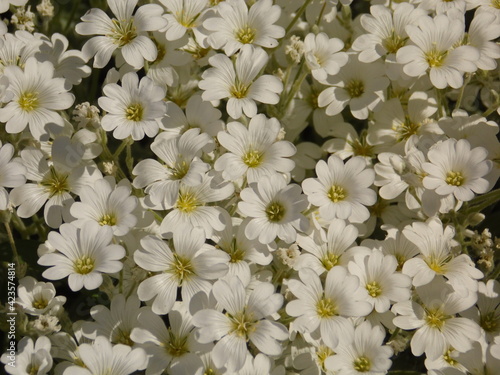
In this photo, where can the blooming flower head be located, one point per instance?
(245, 319)
(36, 96)
(366, 354)
(31, 357)
(435, 319)
(239, 83)
(37, 297)
(274, 208)
(341, 190)
(134, 109)
(83, 255)
(101, 357)
(190, 265)
(107, 204)
(434, 39)
(322, 55)
(12, 173)
(358, 85)
(235, 25)
(254, 151)
(125, 32)
(434, 242)
(323, 311)
(455, 168)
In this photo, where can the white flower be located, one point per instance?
(69, 65)
(241, 250)
(101, 357)
(199, 114)
(181, 165)
(167, 348)
(134, 109)
(358, 85)
(245, 319)
(322, 55)
(51, 183)
(394, 126)
(125, 32)
(238, 81)
(456, 169)
(107, 204)
(385, 31)
(340, 190)
(323, 252)
(83, 254)
(254, 151)
(435, 320)
(190, 266)
(36, 96)
(115, 323)
(12, 173)
(274, 208)
(184, 15)
(325, 312)
(380, 284)
(191, 207)
(38, 298)
(436, 258)
(31, 358)
(5, 4)
(433, 51)
(235, 25)
(482, 32)
(366, 354)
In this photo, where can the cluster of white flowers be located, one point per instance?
(252, 186)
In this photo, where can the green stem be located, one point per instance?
(120, 148)
(490, 110)
(13, 244)
(299, 78)
(318, 21)
(495, 273)
(297, 16)
(462, 91)
(71, 16)
(480, 203)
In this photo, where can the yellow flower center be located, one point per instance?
(436, 318)
(122, 337)
(394, 42)
(336, 193)
(275, 212)
(242, 324)
(362, 364)
(32, 369)
(177, 345)
(495, 4)
(330, 260)
(448, 358)
(490, 322)
(406, 130)
(134, 112)
(435, 58)
(374, 289)
(245, 35)
(185, 19)
(181, 268)
(179, 170)
(108, 220)
(454, 178)
(123, 32)
(438, 264)
(325, 308)
(253, 158)
(40, 303)
(322, 353)
(84, 265)
(55, 183)
(355, 88)
(28, 101)
(235, 253)
(187, 202)
(239, 90)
